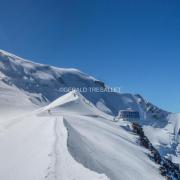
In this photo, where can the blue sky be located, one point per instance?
(134, 44)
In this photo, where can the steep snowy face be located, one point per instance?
(46, 83)
(152, 111)
(99, 143)
(73, 144)
(38, 78)
(75, 103)
(26, 86)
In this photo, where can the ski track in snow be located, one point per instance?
(40, 142)
(63, 165)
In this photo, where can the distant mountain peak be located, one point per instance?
(51, 82)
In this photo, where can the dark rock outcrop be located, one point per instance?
(167, 168)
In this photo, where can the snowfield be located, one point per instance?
(51, 143)
(47, 134)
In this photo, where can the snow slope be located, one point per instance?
(14, 102)
(67, 145)
(36, 148)
(100, 144)
(75, 103)
(64, 166)
(43, 84)
(29, 109)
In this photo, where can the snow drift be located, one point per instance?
(42, 126)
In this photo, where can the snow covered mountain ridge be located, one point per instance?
(43, 83)
(31, 95)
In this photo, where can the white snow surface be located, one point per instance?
(51, 143)
(43, 84)
(35, 122)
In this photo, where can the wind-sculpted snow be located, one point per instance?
(107, 149)
(43, 83)
(100, 144)
(76, 104)
(35, 148)
(63, 166)
(97, 144)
